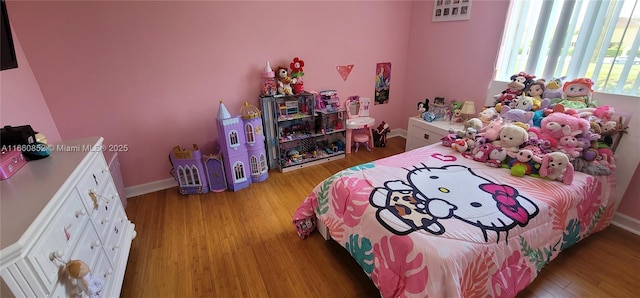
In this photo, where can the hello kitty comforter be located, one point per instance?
(429, 222)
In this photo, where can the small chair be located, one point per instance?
(361, 138)
(358, 119)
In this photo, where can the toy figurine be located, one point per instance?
(423, 106)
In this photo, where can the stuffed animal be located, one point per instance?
(524, 162)
(79, 270)
(602, 113)
(422, 107)
(492, 131)
(557, 125)
(519, 82)
(535, 91)
(553, 89)
(284, 81)
(605, 157)
(536, 133)
(512, 137)
(569, 145)
(556, 166)
(524, 103)
(517, 115)
(577, 93)
(460, 145)
(487, 115)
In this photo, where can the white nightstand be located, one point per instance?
(422, 133)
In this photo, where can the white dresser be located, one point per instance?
(62, 207)
(422, 133)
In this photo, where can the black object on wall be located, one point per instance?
(7, 51)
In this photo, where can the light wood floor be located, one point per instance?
(242, 244)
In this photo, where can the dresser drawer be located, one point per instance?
(102, 217)
(114, 241)
(422, 133)
(92, 182)
(59, 239)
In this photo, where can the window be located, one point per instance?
(596, 39)
(248, 129)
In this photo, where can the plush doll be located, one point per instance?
(460, 145)
(602, 113)
(512, 137)
(519, 82)
(556, 166)
(491, 132)
(577, 93)
(536, 133)
(488, 154)
(475, 123)
(557, 125)
(569, 145)
(79, 270)
(605, 157)
(535, 91)
(524, 162)
(553, 89)
(284, 81)
(524, 103)
(517, 115)
(488, 114)
(422, 107)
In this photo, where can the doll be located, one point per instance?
(284, 81)
(519, 82)
(577, 93)
(535, 91)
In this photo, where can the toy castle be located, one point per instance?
(239, 158)
(241, 142)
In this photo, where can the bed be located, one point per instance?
(429, 222)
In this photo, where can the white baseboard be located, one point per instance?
(141, 189)
(626, 222)
(398, 132)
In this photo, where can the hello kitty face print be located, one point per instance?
(454, 192)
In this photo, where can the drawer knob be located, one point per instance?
(94, 244)
(107, 273)
(80, 212)
(426, 136)
(58, 254)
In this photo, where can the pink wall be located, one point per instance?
(453, 59)
(150, 74)
(21, 101)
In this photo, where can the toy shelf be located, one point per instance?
(298, 135)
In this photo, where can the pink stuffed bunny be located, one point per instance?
(492, 131)
(556, 166)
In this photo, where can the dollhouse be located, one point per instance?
(241, 144)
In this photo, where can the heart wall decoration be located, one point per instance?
(344, 71)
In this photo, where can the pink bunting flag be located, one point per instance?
(344, 71)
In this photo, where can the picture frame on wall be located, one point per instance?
(451, 10)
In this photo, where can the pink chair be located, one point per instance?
(358, 120)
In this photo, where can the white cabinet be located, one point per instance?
(59, 208)
(422, 133)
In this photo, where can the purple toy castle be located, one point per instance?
(241, 143)
(188, 169)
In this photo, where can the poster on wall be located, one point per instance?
(383, 82)
(451, 10)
